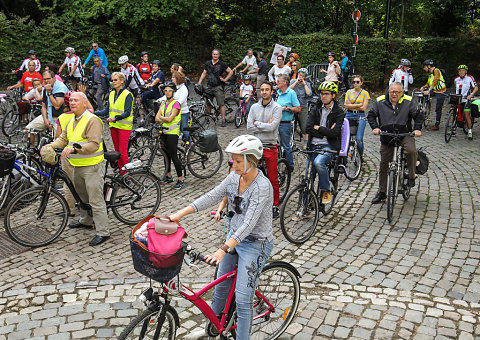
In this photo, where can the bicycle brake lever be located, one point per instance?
(189, 262)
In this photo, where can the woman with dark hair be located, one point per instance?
(54, 68)
(345, 66)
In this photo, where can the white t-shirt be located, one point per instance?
(71, 62)
(251, 61)
(468, 83)
(245, 90)
(275, 71)
(30, 95)
(401, 76)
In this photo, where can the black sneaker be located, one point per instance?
(224, 122)
(380, 197)
(167, 179)
(275, 212)
(179, 185)
(411, 182)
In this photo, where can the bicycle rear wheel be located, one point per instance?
(238, 117)
(284, 177)
(327, 208)
(202, 164)
(405, 187)
(427, 120)
(207, 122)
(36, 217)
(451, 124)
(299, 214)
(279, 286)
(144, 325)
(137, 197)
(354, 162)
(159, 163)
(10, 118)
(391, 193)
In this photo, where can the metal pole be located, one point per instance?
(387, 19)
(401, 19)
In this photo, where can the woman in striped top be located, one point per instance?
(356, 103)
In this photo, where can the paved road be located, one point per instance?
(363, 278)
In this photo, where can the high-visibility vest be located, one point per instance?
(441, 82)
(118, 108)
(173, 128)
(74, 135)
(64, 118)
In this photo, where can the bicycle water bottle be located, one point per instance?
(459, 112)
(132, 165)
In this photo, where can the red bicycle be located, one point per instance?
(274, 305)
(456, 117)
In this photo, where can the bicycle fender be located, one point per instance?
(282, 264)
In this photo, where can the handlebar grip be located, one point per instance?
(200, 257)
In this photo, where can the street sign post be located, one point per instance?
(356, 15)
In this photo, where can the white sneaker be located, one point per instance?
(197, 335)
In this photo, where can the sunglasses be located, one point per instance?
(115, 79)
(356, 81)
(237, 200)
(294, 64)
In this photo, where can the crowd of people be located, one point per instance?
(283, 93)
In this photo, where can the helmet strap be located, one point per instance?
(245, 170)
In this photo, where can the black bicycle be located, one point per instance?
(398, 175)
(39, 215)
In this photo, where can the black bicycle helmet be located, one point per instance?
(199, 89)
(170, 84)
(143, 53)
(156, 62)
(247, 77)
(428, 62)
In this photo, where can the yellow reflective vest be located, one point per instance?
(117, 107)
(173, 128)
(74, 135)
(64, 118)
(441, 82)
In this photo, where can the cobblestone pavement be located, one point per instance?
(363, 278)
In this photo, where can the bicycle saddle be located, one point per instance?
(112, 156)
(191, 128)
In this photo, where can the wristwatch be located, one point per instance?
(49, 94)
(225, 248)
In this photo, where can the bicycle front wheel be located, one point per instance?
(4, 189)
(279, 287)
(203, 164)
(137, 197)
(299, 215)
(354, 162)
(36, 217)
(451, 125)
(145, 325)
(207, 122)
(284, 177)
(391, 193)
(238, 117)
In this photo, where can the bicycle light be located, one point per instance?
(146, 295)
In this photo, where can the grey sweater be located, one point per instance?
(256, 205)
(257, 122)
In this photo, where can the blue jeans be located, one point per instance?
(251, 258)
(362, 123)
(438, 106)
(145, 98)
(320, 162)
(285, 133)
(185, 118)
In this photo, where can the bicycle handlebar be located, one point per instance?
(318, 150)
(398, 135)
(196, 256)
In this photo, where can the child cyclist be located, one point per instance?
(246, 92)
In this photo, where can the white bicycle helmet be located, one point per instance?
(246, 145)
(123, 59)
(70, 50)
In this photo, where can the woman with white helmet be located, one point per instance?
(250, 200)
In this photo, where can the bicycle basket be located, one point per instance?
(7, 161)
(455, 99)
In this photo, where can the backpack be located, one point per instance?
(422, 163)
(448, 80)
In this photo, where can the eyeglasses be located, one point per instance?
(115, 79)
(169, 90)
(47, 79)
(237, 200)
(325, 94)
(395, 92)
(294, 64)
(356, 81)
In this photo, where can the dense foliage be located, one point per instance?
(185, 31)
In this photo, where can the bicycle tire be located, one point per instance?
(354, 162)
(148, 318)
(284, 177)
(9, 118)
(144, 184)
(159, 163)
(4, 189)
(405, 187)
(391, 193)
(280, 286)
(451, 124)
(24, 183)
(25, 226)
(201, 164)
(238, 117)
(137, 141)
(428, 110)
(206, 122)
(296, 219)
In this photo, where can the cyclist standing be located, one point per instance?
(345, 66)
(278, 69)
(466, 85)
(333, 70)
(394, 112)
(261, 72)
(303, 90)
(24, 66)
(435, 86)
(292, 58)
(74, 66)
(101, 81)
(246, 92)
(402, 74)
(250, 198)
(324, 127)
(131, 73)
(144, 68)
(156, 80)
(262, 122)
